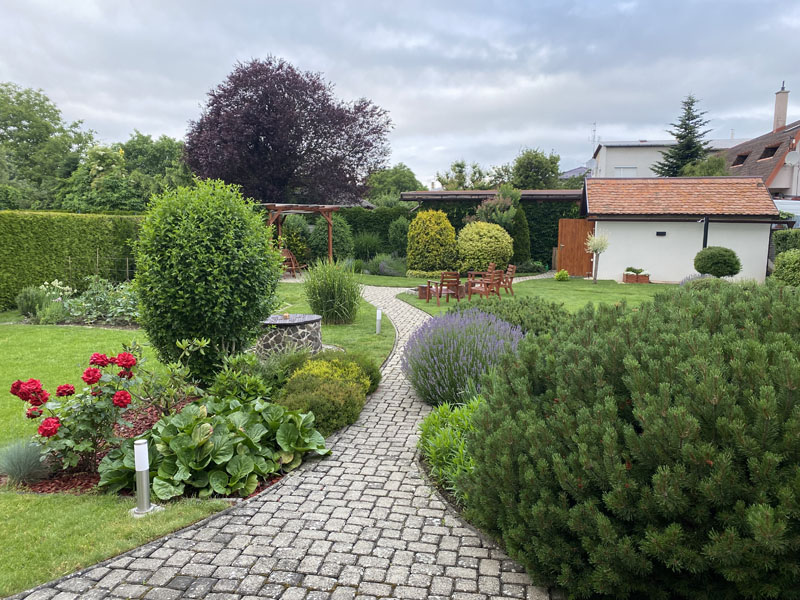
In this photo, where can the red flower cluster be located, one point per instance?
(30, 391)
(126, 360)
(65, 390)
(49, 427)
(91, 376)
(100, 360)
(122, 398)
(125, 374)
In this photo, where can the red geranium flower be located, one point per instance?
(122, 398)
(101, 360)
(65, 390)
(125, 374)
(33, 412)
(49, 427)
(126, 360)
(91, 376)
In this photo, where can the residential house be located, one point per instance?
(660, 224)
(774, 156)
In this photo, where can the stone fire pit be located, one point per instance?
(287, 331)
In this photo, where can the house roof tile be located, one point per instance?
(753, 165)
(735, 196)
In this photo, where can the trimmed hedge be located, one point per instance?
(376, 220)
(482, 243)
(41, 246)
(431, 242)
(717, 261)
(786, 239)
(787, 267)
(542, 221)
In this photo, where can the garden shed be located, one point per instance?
(660, 224)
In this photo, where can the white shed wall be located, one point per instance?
(671, 258)
(641, 157)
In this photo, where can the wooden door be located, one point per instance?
(572, 254)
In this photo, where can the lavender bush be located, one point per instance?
(449, 350)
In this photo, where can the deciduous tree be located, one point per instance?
(282, 135)
(535, 170)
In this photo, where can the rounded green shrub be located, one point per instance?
(431, 242)
(366, 245)
(334, 402)
(787, 267)
(650, 453)
(342, 238)
(332, 291)
(206, 268)
(368, 366)
(562, 275)
(717, 261)
(398, 236)
(482, 243)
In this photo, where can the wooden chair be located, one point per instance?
(476, 276)
(508, 279)
(448, 285)
(487, 285)
(290, 262)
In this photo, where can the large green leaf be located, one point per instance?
(218, 480)
(168, 468)
(164, 490)
(250, 485)
(199, 479)
(240, 467)
(223, 449)
(287, 436)
(202, 433)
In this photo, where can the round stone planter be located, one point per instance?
(296, 331)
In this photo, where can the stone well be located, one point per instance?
(282, 332)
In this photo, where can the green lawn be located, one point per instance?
(360, 336)
(384, 281)
(574, 294)
(43, 537)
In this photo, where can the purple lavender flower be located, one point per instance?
(447, 351)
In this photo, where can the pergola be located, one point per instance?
(278, 212)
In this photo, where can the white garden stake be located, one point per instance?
(378, 323)
(141, 460)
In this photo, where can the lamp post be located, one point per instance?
(141, 460)
(378, 322)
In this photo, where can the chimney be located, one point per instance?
(781, 105)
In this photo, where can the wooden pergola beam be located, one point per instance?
(278, 212)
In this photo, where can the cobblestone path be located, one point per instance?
(361, 523)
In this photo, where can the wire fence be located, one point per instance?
(114, 268)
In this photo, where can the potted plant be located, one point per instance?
(634, 275)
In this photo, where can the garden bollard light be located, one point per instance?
(378, 323)
(142, 462)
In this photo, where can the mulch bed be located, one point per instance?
(141, 419)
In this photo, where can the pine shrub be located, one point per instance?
(786, 239)
(398, 236)
(446, 352)
(717, 261)
(341, 239)
(366, 245)
(650, 453)
(787, 267)
(533, 314)
(431, 242)
(482, 243)
(206, 268)
(332, 291)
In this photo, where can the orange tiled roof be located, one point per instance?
(743, 196)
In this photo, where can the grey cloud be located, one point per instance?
(475, 80)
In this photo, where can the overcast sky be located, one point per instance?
(473, 80)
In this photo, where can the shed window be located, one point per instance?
(769, 152)
(739, 160)
(624, 171)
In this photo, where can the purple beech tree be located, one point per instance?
(282, 135)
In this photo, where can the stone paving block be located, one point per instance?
(360, 524)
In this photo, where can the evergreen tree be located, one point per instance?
(690, 147)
